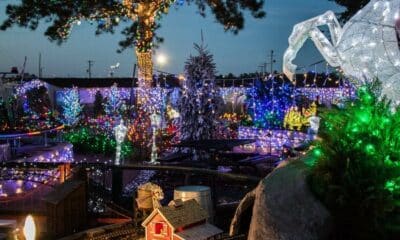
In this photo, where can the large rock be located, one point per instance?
(284, 208)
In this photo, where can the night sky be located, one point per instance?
(180, 28)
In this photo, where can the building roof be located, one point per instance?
(89, 82)
(169, 81)
(62, 191)
(186, 214)
(200, 232)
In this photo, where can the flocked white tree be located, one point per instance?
(71, 107)
(200, 100)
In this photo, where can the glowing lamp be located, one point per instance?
(162, 59)
(29, 229)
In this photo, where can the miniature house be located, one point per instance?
(179, 221)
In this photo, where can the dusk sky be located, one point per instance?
(180, 28)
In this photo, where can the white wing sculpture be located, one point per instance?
(367, 47)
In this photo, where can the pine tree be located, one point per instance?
(200, 100)
(98, 108)
(71, 106)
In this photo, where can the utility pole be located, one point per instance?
(272, 60)
(263, 68)
(40, 66)
(89, 70)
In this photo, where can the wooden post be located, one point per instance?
(61, 169)
(117, 183)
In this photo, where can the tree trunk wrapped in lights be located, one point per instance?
(145, 12)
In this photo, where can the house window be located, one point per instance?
(160, 228)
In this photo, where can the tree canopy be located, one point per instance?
(352, 7)
(62, 15)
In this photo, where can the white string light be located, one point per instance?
(366, 48)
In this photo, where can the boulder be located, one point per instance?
(285, 208)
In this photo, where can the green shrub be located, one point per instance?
(357, 168)
(87, 140)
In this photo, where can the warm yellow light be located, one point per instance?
(161, 59)
(29, 228)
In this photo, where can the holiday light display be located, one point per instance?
(22, 92)
(267, 102)
(235, 97)
(269, 141)
(97, 139)
(367, 47)
(355, 166)
(200, 102)
(327, 96)
(155, 120)
(114, 104)
(16, 183)
(145, 14)
(120, 133)
(295, 119)
(71, 106)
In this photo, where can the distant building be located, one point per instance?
(180, 221)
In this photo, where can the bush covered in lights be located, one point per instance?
(87, 140)
(268, 101)
(357, 168)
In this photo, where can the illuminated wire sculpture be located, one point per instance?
(367, 47)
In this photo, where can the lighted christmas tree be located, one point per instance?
(200, 99)
(357, 168)
(71, 107)
(114, 103)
